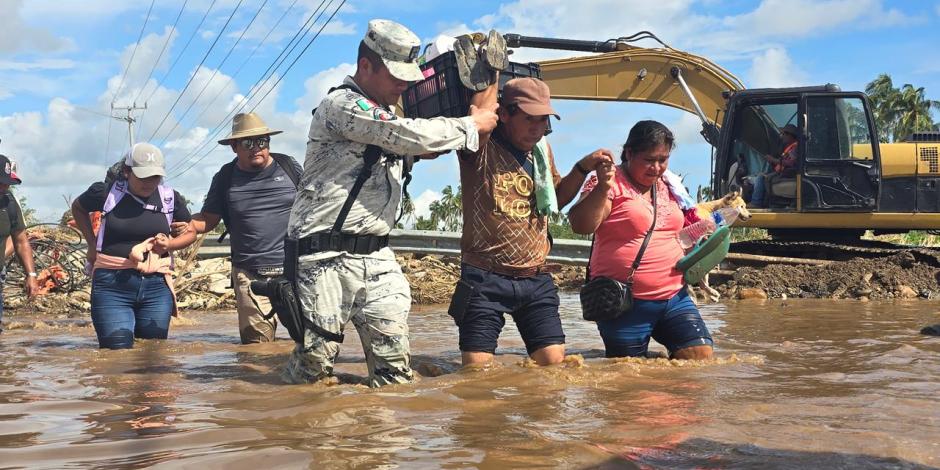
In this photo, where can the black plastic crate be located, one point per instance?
(442, 94)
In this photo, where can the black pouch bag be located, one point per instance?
(280, 292)
(604, 298)
(290, 315)
(460, 300)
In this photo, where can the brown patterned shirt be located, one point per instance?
(501, 229)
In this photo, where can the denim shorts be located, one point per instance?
(675, 323)
(482, 297)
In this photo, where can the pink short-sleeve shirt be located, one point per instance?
(618, 238)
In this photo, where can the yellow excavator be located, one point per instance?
(845, 181)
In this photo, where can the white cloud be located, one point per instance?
(206, 34)
(337, 27)
(18, 36)
(40, 64)
(774, 68)
(423, 202)
(315, 87)
(687, 130)
(717, 37)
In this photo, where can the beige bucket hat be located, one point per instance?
(248, 125)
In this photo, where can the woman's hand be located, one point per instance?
(606, 172)
(596, 159)
(161, 244)
(178, 228)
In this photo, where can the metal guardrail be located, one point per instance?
(574, 252)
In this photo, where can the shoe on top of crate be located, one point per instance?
(474, 73)
(493, 51)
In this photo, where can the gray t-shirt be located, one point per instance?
(259, 208)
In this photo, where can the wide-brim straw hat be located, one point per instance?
(248, 125)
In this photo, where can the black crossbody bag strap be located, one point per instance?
(370, 158)
(639, 254)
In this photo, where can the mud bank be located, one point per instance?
(899, 276)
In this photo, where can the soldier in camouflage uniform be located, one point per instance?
(337, 285)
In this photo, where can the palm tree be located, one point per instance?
(448, 210)
(407, 213)
(899, 112)
(883, 96)
(913, 112)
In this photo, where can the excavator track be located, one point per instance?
(836, 251)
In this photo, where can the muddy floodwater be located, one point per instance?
(798, 384)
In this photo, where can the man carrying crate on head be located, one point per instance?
(510, 186)
(346, 205)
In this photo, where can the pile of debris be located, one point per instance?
(899, 276)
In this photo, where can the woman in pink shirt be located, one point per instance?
(616, 207)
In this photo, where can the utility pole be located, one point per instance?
(130, 120)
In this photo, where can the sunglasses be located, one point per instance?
(258, 142)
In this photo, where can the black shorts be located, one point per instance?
(482, 297)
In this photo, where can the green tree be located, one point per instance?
(407, 214)
(560, 228)
(900, 112)
(447, 212)
(914, 112)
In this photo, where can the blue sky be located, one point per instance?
(63, 63)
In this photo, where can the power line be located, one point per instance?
(193, 76)
(231, 78)
(131, 61)
(92, 111)
(265, 76)
(215, 71)
(162, 51)
(180, 55)
(304, 50)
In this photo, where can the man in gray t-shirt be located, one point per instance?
(253, 194)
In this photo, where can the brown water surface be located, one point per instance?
(797, 384)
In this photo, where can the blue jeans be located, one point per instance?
(674, 323)
(126, 304)
(760, 191)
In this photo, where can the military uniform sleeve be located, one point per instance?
(361, 120)
(213, 202)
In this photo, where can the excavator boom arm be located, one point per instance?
(624, 72)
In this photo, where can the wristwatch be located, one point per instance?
(581, 169)
(32, 274)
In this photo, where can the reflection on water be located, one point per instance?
(797, 384)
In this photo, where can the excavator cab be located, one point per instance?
(837, 168)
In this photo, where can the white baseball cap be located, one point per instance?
(145, 160)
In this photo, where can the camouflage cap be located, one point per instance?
(398, 47)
